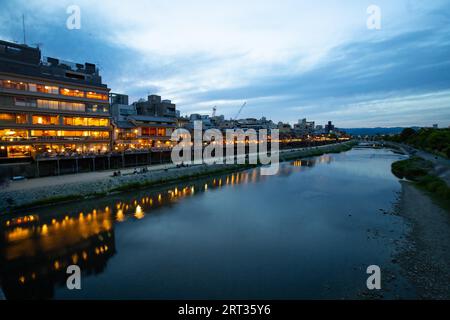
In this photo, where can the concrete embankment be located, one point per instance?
(60, 190)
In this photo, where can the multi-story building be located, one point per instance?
(133, 130)
(204, 119)
(329, 127)
(252, 123)
(50, 106)
(156, 107)
(304, 127)
(284, 128)
(319, 129)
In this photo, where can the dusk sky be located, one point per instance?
(287, 59)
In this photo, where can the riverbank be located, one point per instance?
(424, 204)
(424, 261)
(423, 175)
(50, 190)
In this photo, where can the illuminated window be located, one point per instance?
(45, 120)
(68, 121)
(25, 86)
(43, 133)
(6, 118)
(47, 89)
(13, 134)
(99, 135)
(97, 96)
(80, 121)
(98, 122)
(91, 122)
(72, 93)
(19, 151)
(161, 132)
(16, 85)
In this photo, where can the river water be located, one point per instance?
(309, 232)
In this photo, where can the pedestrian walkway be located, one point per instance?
(441, 165)
(74, 178)
(99, 175)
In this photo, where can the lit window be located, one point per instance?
(97, 96)
(72, 93)
(45, 120)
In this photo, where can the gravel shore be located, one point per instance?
(425, 261)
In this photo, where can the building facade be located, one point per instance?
(329, 128)
(134, 130)
(304, 127)
(49, 106)
(156, 107)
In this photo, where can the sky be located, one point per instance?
(288, 59)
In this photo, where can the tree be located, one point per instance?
(407, 133)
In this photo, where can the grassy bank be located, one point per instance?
(419, 171)
(436, 141)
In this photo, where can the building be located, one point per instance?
(284, 128)
(134, 130)
(319, 129)
(120, 109)
(156, 107)
(49, 106)
(252, 123)
(329, 128)
(204, 119)
(182, 122)
(304, 127)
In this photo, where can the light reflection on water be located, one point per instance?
(37, 247)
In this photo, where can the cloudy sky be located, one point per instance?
(288, 59)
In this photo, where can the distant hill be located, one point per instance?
(373, 131)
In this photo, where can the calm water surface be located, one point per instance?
(305, 233)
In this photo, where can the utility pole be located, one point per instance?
(23, 28)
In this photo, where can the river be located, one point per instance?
(309, 232)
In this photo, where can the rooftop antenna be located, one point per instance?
(23, 28)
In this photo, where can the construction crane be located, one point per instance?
(214, 112)
(240, 110)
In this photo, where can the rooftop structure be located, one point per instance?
(154, 106)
